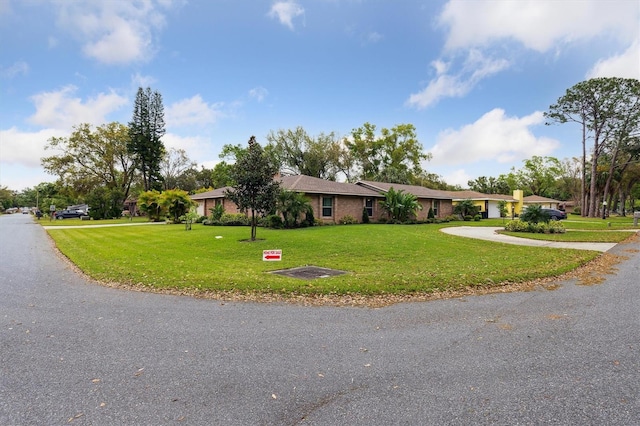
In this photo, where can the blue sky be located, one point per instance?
(473, 77)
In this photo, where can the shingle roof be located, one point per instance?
(418, 191)
(313, 185)
(216, 193)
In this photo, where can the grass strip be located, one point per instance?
(380, 259)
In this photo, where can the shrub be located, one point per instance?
(309, 218)
(468, 218)
(540, 228)
(430, 214)
(365, 215)
(477, 218)
(201, 219)
(272, 221)
(535, 214)
(382, 220)
(577, 210)
(216, 212)
(348, 220)
(234, 219)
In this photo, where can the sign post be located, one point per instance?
(271, 255)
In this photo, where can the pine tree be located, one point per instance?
(145, 132)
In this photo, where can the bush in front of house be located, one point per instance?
(229, 219)
(555, 227)
(348, 220)
(535, 214)
(365, 215)
(273, 221)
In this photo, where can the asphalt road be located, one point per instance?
(73, 352)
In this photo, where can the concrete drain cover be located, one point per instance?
(309, 272)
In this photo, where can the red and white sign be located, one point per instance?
(271, 255)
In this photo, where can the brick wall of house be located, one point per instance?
(342, 205)
(229, 206)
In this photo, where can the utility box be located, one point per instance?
(636, 216)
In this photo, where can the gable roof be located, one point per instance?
(418, 191)
(314, 185)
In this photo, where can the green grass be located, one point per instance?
(594, 223)
(380, 259)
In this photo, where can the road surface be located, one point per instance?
(76, 353)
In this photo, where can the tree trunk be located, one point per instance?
(583, 189)
(253, 225)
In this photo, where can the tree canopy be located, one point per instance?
(394, 156)
(94, 160)
(608, 112)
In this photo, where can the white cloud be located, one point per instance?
(624, 65)
(16, 69)
(537, 24)
(494, 137)
(458, 177)
(258, 93)
(25, 148)
(475, 68)
(285, 11)
(540, 25)
(61, 110)
(113, 32)
(192, 111)
(196, 147)
(139, 80)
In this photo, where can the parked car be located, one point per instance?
(67, 214)
(555, 214)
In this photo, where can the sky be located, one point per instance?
(474, 77)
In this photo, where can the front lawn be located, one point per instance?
(380, 259)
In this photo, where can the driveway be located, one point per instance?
(491, 234)
(76, 353)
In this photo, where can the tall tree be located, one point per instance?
(538, 176)
(599, 106)
(174, 163)
(91, 159)
(300, 153)
(490, 185)
(255, 189)
(145, 131)
(393, 156)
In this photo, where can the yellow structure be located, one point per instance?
(517, 205)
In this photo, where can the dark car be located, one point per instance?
(555, 214)
(67, 214)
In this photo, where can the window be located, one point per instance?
(436, 207)
(218, 201)
(368, 204)
(327, 207)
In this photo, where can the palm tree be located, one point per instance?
(400, 206)
(292, 205)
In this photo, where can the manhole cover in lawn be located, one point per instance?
(309, 272)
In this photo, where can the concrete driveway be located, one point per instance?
(489, 233)
(76, 353)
